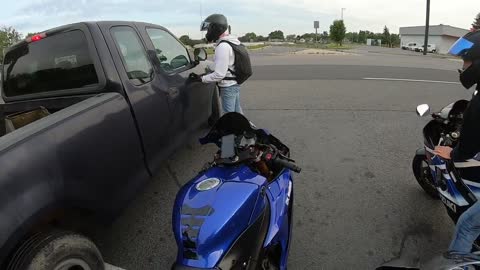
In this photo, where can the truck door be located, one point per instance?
(150, 104)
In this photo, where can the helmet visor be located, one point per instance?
(460, 47)
(204, 26)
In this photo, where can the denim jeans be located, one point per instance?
(467, 230)
(231, 99)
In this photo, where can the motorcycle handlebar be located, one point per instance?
(287, 164)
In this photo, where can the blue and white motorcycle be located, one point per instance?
(456, 184)
(237, 212)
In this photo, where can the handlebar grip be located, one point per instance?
(287, 164)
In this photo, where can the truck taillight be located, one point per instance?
(36, 37)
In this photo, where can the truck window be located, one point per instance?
(133, 55)
(54, 63)
(171, 53)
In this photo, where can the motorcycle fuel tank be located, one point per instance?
(213, 210)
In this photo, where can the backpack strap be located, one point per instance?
(231, 71)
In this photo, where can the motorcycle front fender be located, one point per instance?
(420, 152)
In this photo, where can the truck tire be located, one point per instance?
(216, 107)
(57, 250)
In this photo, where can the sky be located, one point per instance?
(259, 16)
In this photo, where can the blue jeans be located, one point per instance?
(231, 99)
(467, 230)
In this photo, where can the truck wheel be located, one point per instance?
(424, 176)
(57, 250)
(216, 107)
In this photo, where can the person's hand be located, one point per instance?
(193, 77)
(443, 151)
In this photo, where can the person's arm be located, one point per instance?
(222, 59)
(469, 143)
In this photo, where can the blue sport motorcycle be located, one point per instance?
(237, 212)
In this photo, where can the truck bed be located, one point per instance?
(71, 159)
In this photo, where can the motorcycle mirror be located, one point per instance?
(423, 109)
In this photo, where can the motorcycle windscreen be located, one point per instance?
(237, 124)
(230, 123)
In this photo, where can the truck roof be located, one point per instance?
(59, 28)
(88, 23)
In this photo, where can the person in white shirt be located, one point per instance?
(216, 26)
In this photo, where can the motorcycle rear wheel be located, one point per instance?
(424, 176)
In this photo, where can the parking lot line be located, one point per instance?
(409, 80)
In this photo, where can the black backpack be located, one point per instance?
(243, 67)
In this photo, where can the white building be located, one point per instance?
(443, 36)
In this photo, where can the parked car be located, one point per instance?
(409, 46)
(92, 109)
(431, 48)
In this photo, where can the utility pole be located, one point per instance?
(342, 12)
(427, 26)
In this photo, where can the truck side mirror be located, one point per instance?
(200, 54)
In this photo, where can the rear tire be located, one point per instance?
(424, 176)
(216, 107)
(57, 250)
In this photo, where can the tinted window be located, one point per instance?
(57, 62)
(171, 53)
(133, 54)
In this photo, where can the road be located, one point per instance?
(357, 204)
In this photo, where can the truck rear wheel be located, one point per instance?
(57, 250)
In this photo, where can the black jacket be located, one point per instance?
(469, 142)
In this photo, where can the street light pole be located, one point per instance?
(427, 26)
(342, 12)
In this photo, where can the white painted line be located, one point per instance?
(111, 267)
(409, 80)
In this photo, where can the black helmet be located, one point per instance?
(468, 47)
(215, 25)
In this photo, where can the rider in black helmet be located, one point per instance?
(468, 147)
(223, 73)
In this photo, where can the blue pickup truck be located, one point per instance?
(90, 112)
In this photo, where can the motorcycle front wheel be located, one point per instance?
(424, 176)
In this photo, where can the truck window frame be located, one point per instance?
(175, 71)
(73, 91)
(134, 81)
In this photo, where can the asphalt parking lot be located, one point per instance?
(353, 130)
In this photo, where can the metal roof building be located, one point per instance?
(443, 36)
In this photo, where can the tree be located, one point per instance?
(261, 38)
(337, 31)
(324, 37)
(248, 37)
(476, 22)
(276, 35)
(185, 39)
(8, 37)
(362, 37)
(386, 37)
(291, 37)
(352, 36)
(395, 40)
